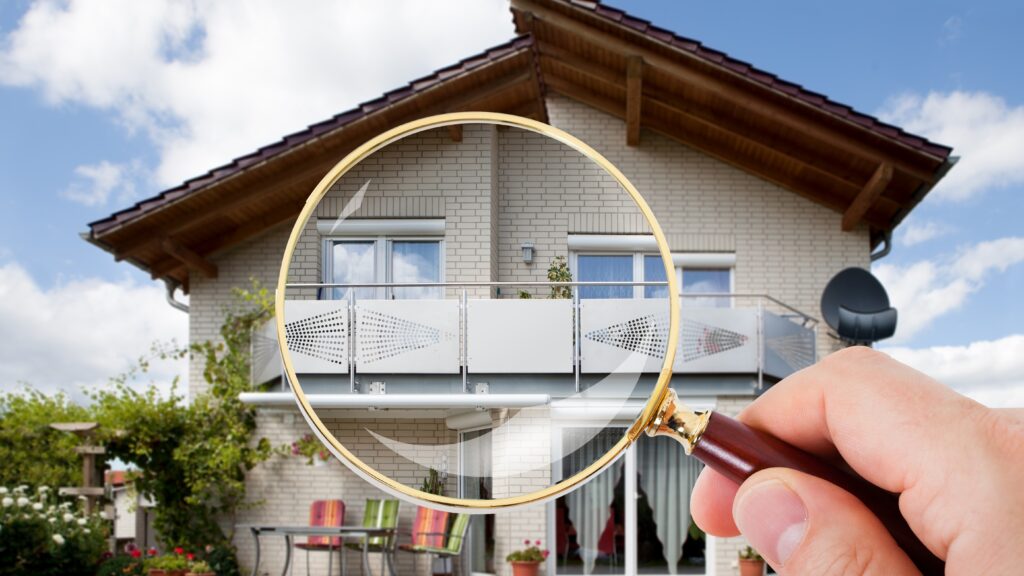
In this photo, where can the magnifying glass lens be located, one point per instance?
(475, 311)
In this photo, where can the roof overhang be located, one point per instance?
(871, 173)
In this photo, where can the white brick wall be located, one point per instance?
(488, 187)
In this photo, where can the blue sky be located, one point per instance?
(103, 103)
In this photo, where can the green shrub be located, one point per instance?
(122, 566)
(42, 536)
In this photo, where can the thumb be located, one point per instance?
(802, 524)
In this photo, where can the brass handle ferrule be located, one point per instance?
(677, 421)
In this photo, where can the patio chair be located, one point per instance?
(446, 544)
(323, 513)
(379, 514)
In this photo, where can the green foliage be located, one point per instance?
(749, 553)
(199, 567)
(122, 566)
(167, 562)
(559, 272)
(42, 536)
(25, 434)
(532, 553)
(694, 532)
(222, 560)
(433, 483)
(524, 295)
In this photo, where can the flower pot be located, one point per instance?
(751, 567)
(201, 574)
(525, 568)
(162, 572)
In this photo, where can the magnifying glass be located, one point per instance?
(478, 311)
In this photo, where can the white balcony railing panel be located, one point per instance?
(520, 336)
(788, 346)
(317, 335)
(717, 340)
(622, 335)
(407, 336)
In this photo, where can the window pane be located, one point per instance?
(416, 261)
(605, 269)
(352, 263)
(654, 271)
(706, 281)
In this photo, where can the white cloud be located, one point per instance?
(914, 232)
(952, 29)
(80, 333)
(926, 290)
(986, 132)
(98, 182)
(991, 372)
(207, 81)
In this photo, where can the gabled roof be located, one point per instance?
(849, 161)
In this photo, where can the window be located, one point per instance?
(384, 260)
(646, 267)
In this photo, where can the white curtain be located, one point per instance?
(589, 506)
(667, 476)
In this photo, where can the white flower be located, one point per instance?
(104, 515)
(3, 489)
(8, 501)
(53, 520)
(82, 498)
(22, 501)
(86, 530)
(21, 489)
(68, 517)
(82, 521)
(37, 506)
(44, 489)
(58, 539)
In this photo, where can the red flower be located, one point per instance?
(152, 552)
(136, 553)
(190, 556)
(544, 553)
(179, 550)
(526, 542)
(537, 543)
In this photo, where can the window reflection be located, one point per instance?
(413, 262)
(602, 268)
(353, 263)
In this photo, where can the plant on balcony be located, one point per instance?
(751, 563)
(167, 565)
(311, 448)
(526, 562)
(200, 568)
(559, 272)
(433, 483)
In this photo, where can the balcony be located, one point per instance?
(525, 346)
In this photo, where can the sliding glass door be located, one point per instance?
(598, 530)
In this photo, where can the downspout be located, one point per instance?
(887, 238)
(171, 287)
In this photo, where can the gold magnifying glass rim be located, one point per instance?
(370, 474)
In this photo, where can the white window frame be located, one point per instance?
(682, 261)
(382, 258)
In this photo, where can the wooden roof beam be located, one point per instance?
(191, 259)
(867, 196)
(726, 90)
(634, 97)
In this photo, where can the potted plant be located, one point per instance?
(167, 565)
(526, 562)
(314, 452)
(751, 563)
(200, 568)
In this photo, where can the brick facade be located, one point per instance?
(785, 246)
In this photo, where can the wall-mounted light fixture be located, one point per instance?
(528, 252)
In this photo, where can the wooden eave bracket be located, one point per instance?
(634, 96)
(867, 196)
(189, 258)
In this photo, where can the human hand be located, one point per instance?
(957, 466)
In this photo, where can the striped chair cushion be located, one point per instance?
(326, 513)
(429, 527)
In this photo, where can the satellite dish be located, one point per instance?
(856, 306)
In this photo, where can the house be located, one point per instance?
(764, 189)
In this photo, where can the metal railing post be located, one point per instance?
(760, 344)
(351, 341)
(576, 349)
(464, 312)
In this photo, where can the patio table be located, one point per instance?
(343, 532)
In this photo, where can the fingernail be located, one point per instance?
(773, 518)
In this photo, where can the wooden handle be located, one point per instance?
(736, 451)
